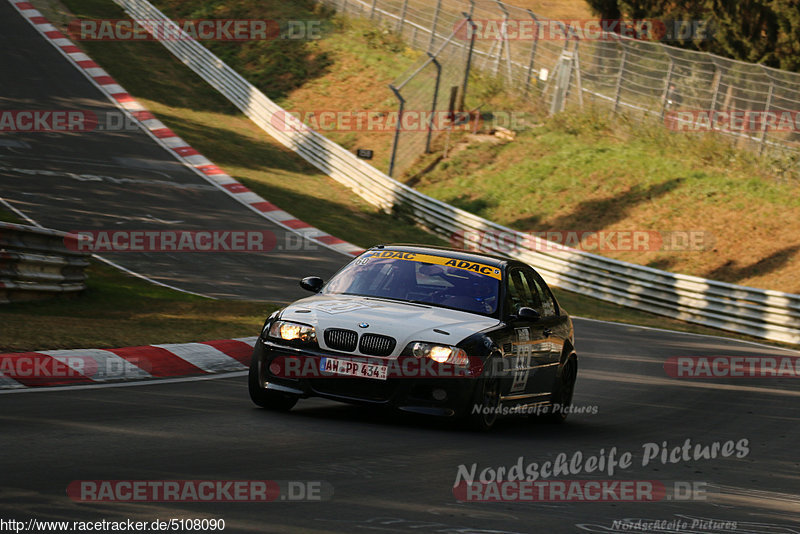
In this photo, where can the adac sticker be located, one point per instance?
(465, 265)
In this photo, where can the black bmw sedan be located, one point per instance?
(423, 329)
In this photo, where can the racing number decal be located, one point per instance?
(522, 351)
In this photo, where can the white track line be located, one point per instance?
(154, 382)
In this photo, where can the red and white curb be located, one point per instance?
(79, 367)
(174, 144)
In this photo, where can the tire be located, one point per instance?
(563, 390)
(487, 395)
(261, 396)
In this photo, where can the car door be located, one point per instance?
(526, 352)
(551, 326)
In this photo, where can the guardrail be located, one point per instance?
(36, 263)
(760, 313)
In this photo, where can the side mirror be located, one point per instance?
(528, 314)
(312, 283)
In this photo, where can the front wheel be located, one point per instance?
(261, 396)
(485, 404)
(563, 391)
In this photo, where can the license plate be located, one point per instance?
(353, 368)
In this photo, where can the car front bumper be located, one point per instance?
(446, 393)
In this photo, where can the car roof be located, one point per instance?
(479, 257)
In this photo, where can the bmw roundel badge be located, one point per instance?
(363, 325)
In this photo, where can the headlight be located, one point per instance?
(440, 353)
(293, 331)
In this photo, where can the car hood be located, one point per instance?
(406, 322)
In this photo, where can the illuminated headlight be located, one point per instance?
(440, 353)
(292, 331)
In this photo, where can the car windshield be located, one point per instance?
(420, 278)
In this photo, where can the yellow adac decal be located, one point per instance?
(479, 268)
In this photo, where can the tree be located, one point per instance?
(605, 9)
(757, 31)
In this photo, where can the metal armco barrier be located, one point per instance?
(36, 263)
(761, 313)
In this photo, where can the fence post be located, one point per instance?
(763, 139)
(665, 96)
(717, 80)
(402, 17)
(372, 9)
(533, 51)
(433, 104)
(565, 29)
(396, 142)
(562, 75)
(469, 59)
(578, 79)
(504, 46)
(435, 21)
(618, 89)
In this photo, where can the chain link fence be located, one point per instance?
(428, 96)
(693, 91)
(685, 90)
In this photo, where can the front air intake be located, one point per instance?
(376, 345)
(341, 339)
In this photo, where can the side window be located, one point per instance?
(519, 292)
(547, 304)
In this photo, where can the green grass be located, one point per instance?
(110, 310)
(118, 310)
(585, 152)
(7, 216)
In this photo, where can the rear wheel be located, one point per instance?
(261, 396)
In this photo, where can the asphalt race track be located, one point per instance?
(142, 187)
(395, 473)
(378, 471)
